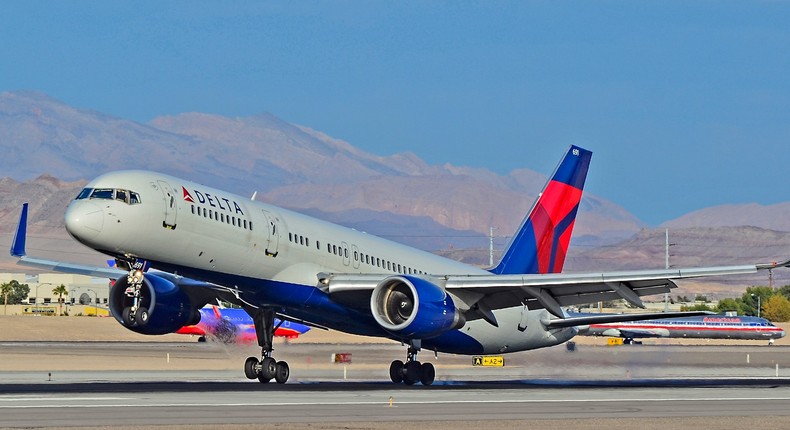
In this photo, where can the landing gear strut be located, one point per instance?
(267, 368)
(136, 314)
(412, 371)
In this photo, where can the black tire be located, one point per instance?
(249, 368)
(396, 371)
(202, 339)
(141, 316)
(281, 372)
(263, 380)
(126, 317)
(412, 373)
(427, 373)
(268, 368)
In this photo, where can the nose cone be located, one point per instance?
(84, 220)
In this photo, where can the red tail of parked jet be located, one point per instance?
(541, 243)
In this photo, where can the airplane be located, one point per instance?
(235, 326)
(699, 327)
(182, 245)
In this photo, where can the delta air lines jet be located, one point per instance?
(182, 245)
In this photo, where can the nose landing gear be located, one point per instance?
(267, 368)
(136, 314)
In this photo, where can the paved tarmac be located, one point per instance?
(130, 384)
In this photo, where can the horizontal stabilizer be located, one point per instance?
(603, 319)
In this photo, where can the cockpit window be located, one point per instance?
(126, 196)
(102, 193)
(84, 194)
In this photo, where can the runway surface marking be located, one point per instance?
(341, 403)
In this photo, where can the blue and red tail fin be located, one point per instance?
(541, 243)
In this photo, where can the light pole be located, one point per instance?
(95, 303)
(759, 305)
(71, 298)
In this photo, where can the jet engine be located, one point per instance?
(414, 308)
(162, 307)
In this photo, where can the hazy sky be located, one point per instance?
(684, 104)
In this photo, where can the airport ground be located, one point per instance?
(89, 372)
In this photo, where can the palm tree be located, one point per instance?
(60, 291)
(5, 290)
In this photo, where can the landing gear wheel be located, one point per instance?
(396, 371)
(126, 316)
(249, 368)
(268, 369)
(281, 372)
(427, 373)
(412, 373)
(141, 316)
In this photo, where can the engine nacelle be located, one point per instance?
(414, 308)
(168, 307)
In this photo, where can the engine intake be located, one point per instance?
(414, 308)
(168, 307)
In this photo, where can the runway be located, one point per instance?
(131, 384)
(365, 403)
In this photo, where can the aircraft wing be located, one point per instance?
(549, 291)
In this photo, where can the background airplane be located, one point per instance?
(699, 327)
(182, 245)
(235, 326)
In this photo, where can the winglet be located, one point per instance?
(18, 245)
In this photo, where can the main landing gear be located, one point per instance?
(412, 371)
(267, 368)
(136, 314)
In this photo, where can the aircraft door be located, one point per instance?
(171, 208)
(272, 225)
(346, 255)
(355, 256)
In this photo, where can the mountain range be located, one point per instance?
(51, 149)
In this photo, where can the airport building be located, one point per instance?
(82, 290)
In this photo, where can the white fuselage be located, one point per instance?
(272, 256)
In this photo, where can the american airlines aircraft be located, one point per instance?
(182, 245)
(699, 327)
